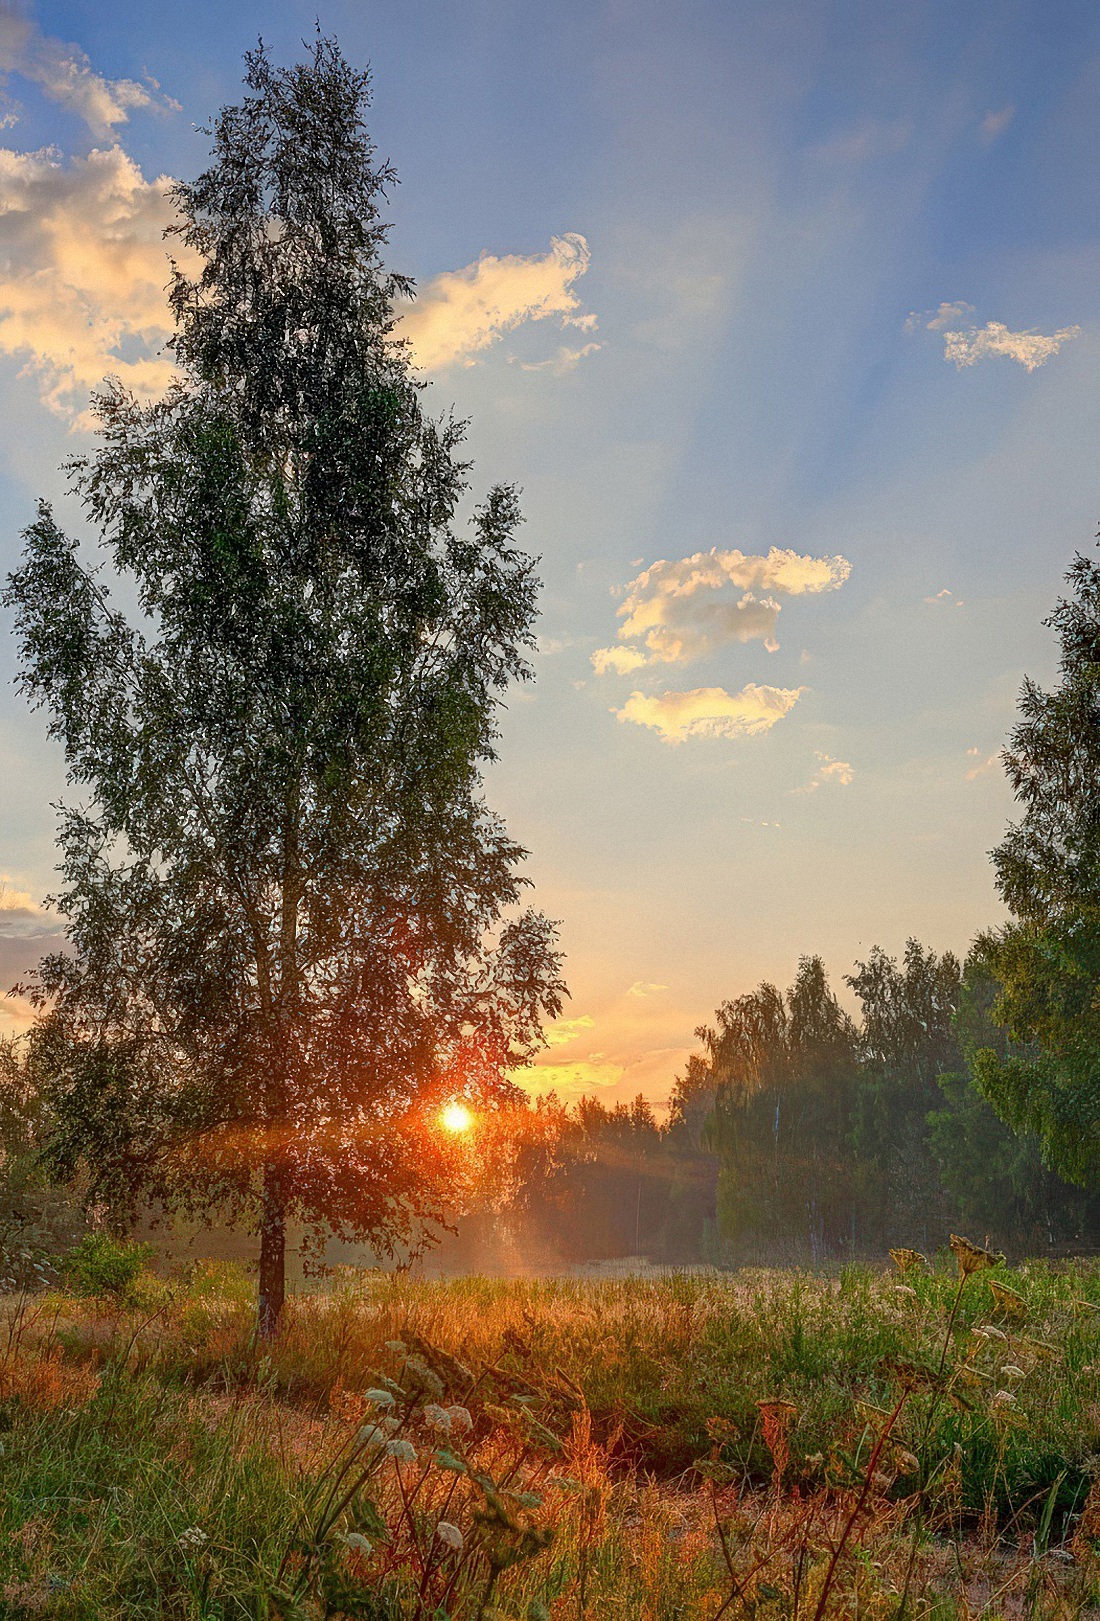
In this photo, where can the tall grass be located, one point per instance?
(766, 1443)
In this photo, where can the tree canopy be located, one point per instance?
(293, 921)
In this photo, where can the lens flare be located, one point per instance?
(456, 1117)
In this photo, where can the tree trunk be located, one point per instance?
(272, 1254)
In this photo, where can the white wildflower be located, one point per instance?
(450, 1535)
(437, 1417)
(380, 1398)
(401, 1451)
(357, 1541)
(460, 1417)
(1004, 1398)
(1011, 1371)
(194, 1537)
(371, 1436)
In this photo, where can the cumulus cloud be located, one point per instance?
(65, 75)
(83, 273)
(684, 609)
(1029, 349)
(965, 343)
(946, 599)
(837, 772)
(710, 711)
(458, 314)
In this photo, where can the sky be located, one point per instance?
(784, 316)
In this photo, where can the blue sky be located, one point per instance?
(777, 224)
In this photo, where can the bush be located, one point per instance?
(100, 1265)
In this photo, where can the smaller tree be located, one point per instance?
(1047, 961)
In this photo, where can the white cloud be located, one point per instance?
(461, 312)
(565, 361)
(643, 987)
(83, 272)
(829, 771)
(710, 711)
(65, 75)
(684, 609)
(965, 343)
(946, 599)
(995, 123)
(1029, 349)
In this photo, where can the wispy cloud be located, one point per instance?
(565, 361)
(965, 343)
(838, 773)
(563, 1031)
(460, 313)
(642, 988)
(994, 124)
(982, 767)
(64, 74)
(687, 608)
(874, 138)
(945, 599)
(710, 711)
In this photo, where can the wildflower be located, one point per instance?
(193, 1538)
(971, 1257)
(398, 1347)
(437, 1417)
(401, 1451)
(776, 1418)
(357, 1542)
(379, 1398)
(460, 1417)
(906, 1462)
(905, 1289)
(1004, 1398)
(371, 1436)
(450, 1535)
(907, 1260)
(1011, 1371)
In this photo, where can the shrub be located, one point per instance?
(101, 1265)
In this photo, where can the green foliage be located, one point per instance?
(102, 1265)
(293, 919)
(1046, 964)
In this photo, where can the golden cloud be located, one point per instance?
(563, 1031)
(461, 312)
(837, 772)
(711, 711)
(686, 608)
(83, 274)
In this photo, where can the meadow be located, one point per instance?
(917, 1440)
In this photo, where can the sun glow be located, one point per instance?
(456, 1117)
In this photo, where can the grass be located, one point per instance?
(766, 1444)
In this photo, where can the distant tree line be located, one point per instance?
(800, 1134)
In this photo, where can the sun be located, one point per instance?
(456, 1117)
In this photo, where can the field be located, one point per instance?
(915, 1441)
